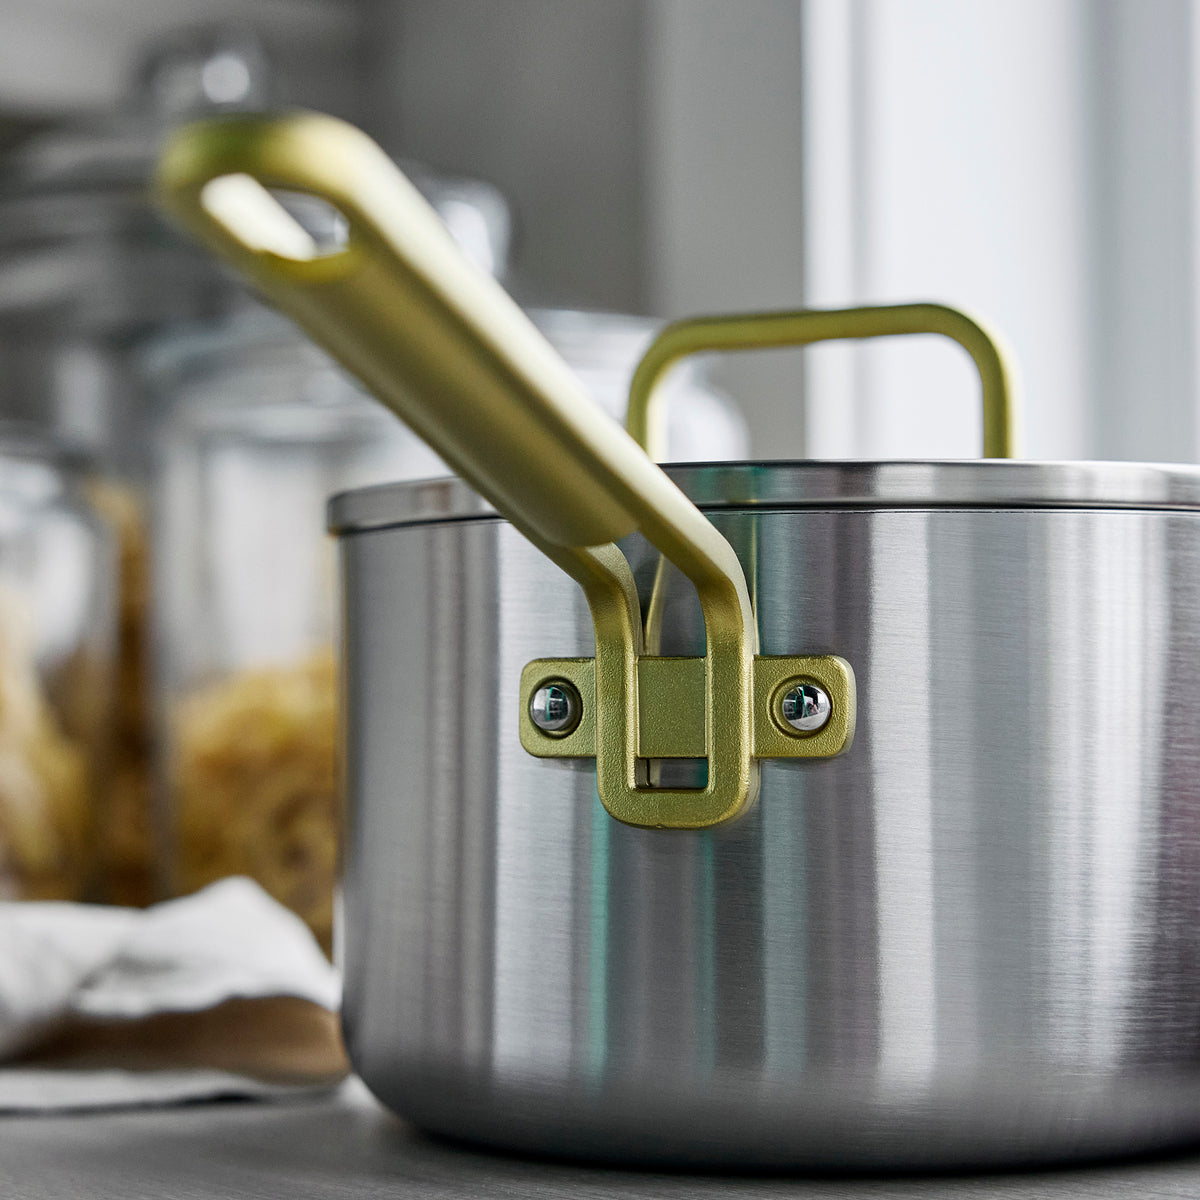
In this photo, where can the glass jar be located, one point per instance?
(91, 276)
(261, 430)
(57, 638)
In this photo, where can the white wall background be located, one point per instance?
(724, 186)
(1034, 160)
(1030, 159)
(964, 182)
(1143, 64)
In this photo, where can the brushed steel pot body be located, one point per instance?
(974, 938)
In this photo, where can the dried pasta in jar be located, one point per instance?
(260, 430)
(45, 810)
(255, 785)
(56, 638)
(129, 849)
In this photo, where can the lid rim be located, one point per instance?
(828, 484)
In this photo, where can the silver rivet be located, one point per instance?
(806, 707)
(555, 707)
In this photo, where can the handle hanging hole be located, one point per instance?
(292, 225)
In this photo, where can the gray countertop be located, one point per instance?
(346, 1146)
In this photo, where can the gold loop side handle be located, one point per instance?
(761, 331)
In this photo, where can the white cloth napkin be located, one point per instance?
(82, 967)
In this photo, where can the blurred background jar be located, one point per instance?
(88, 275)
(261, 428)
(58, 607)
(91, 280)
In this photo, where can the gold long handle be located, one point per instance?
(757, 331)
(442, 345)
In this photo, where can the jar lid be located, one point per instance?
(976, 483)
(25, 442)
(81, 237)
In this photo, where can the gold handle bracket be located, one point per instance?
(671, 724)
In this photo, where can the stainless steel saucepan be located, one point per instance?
(905, 864)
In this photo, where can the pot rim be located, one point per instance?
(826, 484)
